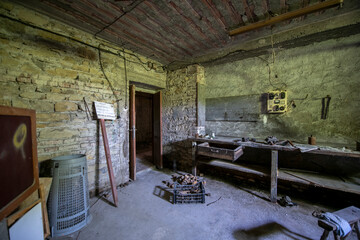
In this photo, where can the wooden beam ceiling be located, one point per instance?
(179, 30)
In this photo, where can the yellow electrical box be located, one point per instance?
(277, 101)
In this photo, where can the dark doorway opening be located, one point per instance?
(144, 131)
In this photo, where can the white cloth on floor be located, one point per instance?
(342, 226)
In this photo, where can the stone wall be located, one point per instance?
(308, 73)
(180, 115)
(43, 70)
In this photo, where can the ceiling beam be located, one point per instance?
(333, 26)
(287, 16)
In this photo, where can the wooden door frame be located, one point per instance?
(132, 133)
(157, 146)
(157, 130)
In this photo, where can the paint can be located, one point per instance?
(312, 140)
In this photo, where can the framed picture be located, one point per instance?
(19, 176)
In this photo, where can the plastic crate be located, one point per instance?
(181, 197)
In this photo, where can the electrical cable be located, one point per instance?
(103, 71)
(126, 82)
(131, 7)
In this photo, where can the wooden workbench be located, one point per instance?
(297, 148)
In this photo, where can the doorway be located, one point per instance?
(145, 131)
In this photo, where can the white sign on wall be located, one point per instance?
(104, 111)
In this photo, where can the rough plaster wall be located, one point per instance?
(179, 116)
(308, 73)
(52, 74)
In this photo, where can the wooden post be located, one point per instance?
(285, 16)
(44, 211)
(274, 175)
(193, 154)
(157, 130)
(132, 134)
(108, 162)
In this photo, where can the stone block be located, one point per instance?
(77, 97)
(43, 89)
(42, 106)
(27, 88)
(62, 133)
(21, 103)
(63, 73)
(51, 117)
(55, 97)
(5, 102)
(65, 106)
(24, 78)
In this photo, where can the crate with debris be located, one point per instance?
(194, 193)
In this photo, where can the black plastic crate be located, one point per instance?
(191, 196)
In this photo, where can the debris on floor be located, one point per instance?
(213, 202)
(286, 201)
(187, 188)
(186, 179)
(271, 140)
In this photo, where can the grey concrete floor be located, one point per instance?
(145, 212)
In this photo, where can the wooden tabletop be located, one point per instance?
(296, 148)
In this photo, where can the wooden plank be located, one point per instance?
(132, 134)
(236, 141)
(157, 22)
(221, 151)
(179, 28)
(46, 224)
(216, 13)
(191, 23)
(274, 176)
(15, 216)
(287, 16)
(108, 162)
(234, 14)
(193, 156)
(284, 6)
(157, 141)
(197, 15)
(327, 181)
(249, 11)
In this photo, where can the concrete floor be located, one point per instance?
(144, 159)
(145, 212)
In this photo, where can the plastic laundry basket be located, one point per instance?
(68, 203)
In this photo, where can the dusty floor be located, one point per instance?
(144, 159)
(145, 212)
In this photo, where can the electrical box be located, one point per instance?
(277, 101)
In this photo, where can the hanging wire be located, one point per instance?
(131, 7)
(126, 82)
(103, 71)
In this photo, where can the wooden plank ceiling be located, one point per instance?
(165, 30)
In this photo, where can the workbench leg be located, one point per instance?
(357, 229)
(325, 235)
(193, 155)
(274, 175)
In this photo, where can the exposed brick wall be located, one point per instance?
(179, 116)
(52, 74)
